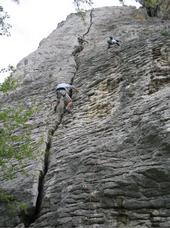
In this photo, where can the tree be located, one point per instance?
(4, 26)
(79, 2)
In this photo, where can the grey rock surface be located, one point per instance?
(107, 163)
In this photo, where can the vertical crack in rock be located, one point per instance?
(29, 219)
(91, 22)
(81, 39)
(80, 47)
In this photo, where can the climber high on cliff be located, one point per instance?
(64, 89)
(112, 41)
(81, 40)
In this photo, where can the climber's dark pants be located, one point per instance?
(110, 44)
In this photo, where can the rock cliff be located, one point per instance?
(107, 164)
(160, 8)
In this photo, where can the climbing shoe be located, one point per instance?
(67, 110)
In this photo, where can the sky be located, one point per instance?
(33, 20)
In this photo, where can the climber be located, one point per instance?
(64, 89)
(81, 40)
(112, 41)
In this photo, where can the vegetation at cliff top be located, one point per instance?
(5, 27)
(151, 3)
(79, 2)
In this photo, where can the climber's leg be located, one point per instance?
(69, 103)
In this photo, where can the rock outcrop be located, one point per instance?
(159, 8)
(106, 164)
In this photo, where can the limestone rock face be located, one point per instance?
(165, 9)
(107, 164)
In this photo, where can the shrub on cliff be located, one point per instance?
(160, 8)
(15, 141)
(8, 85)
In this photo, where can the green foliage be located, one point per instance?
(151, 3)
(165, 33)
(82, 15)
(8, 85)
(152, 7)
(6, 197)
(15, 140)
(17, 206)
(13, 205)
(4, 26)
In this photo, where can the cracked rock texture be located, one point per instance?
(107, 164)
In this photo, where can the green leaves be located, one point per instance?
(151, 3)
(4, 26)
(13, 205)
(6, 197)
(15, 136)
(8, 85)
